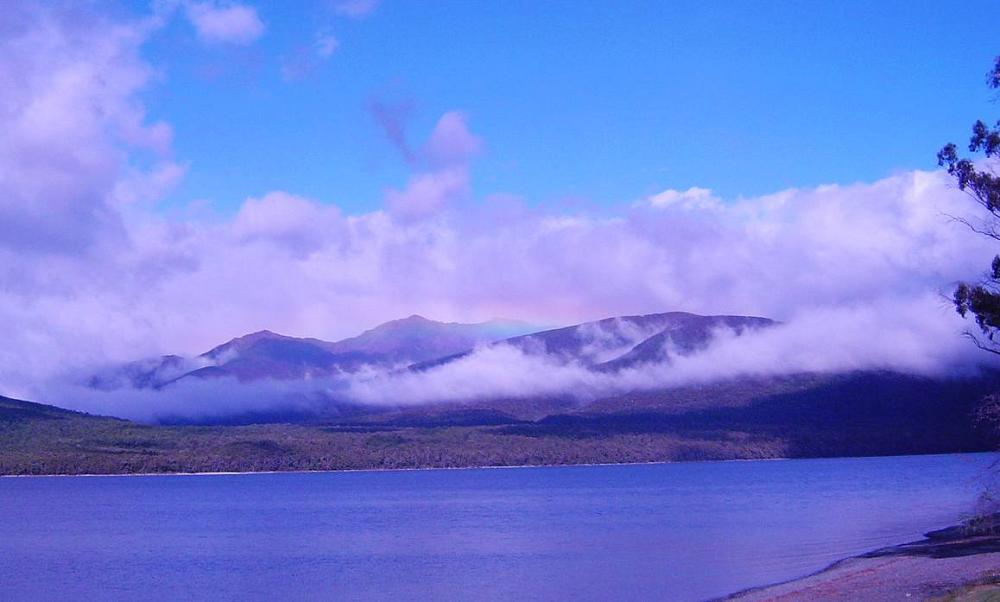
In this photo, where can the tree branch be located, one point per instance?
(979, 343)
(989, 232)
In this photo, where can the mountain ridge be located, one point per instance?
(267, 354)
(633, 339)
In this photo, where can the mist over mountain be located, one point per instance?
(616, 343)
(415, 339)
(268, 355)
(422, 367)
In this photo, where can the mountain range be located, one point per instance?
(417, 343)
(806, 414)
(268, 355)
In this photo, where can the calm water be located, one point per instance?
(679, 532)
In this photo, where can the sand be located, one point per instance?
(948, 565)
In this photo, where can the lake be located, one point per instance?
(666, 531)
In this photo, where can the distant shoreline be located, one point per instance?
(481, 467)
(415, 469)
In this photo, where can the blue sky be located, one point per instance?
(581, 109)
(600, 102)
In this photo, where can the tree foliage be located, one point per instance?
(981, 183)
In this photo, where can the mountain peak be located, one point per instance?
(255, 337)
(414, 319)
(241, 343)
(261, 334)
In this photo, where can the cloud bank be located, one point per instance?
(92, 271)
(914, 338)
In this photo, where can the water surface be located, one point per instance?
(671, 531)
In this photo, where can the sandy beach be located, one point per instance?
(950, 564)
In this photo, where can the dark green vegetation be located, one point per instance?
(981, 299)
(794, 416)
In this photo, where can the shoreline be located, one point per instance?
(480, 467)
(948, 564)
(416, 469)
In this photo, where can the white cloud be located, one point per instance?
(70, 114)
(445, 180)
(288, 221)
(451, 142)
(693, 198)
(225, 22)
(857, 268)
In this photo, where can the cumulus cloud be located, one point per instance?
(426, 193)
(692, 198)
(69, 109)
(862, 253)
(225, 22)
(302, 267)
(451, 142)
(445, 179)
(287, 221)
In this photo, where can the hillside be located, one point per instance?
(802, 416)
